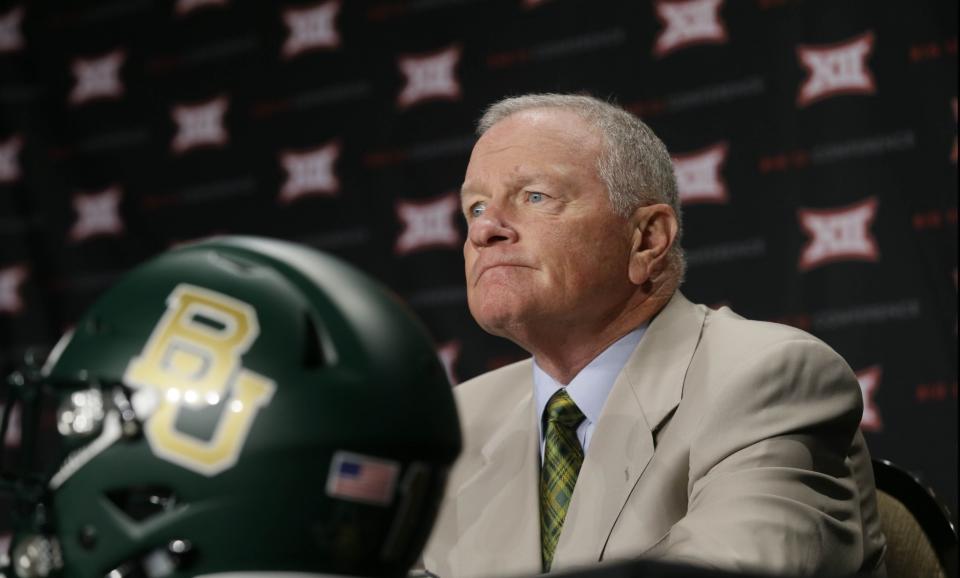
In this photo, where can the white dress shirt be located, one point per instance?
(589, 388)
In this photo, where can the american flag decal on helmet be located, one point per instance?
(360, 478)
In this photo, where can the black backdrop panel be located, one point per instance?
(815, 144)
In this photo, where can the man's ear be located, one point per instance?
(654, 230)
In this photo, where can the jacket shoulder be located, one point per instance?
(750, 362)
(482, 404)
(494, 389)
(752, 332)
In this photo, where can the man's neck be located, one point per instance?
(564, 368)
(563, 351)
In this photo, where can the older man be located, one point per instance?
(643, 425)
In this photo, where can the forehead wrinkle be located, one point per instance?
(516, 179)
(467, 188)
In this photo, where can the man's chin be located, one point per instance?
(508, 324)
(494, 320)
(496, 326)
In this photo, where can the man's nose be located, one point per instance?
(490, 229)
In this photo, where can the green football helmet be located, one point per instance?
(239, 404)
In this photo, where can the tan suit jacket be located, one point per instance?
(724, 442)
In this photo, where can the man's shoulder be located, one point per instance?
(733, 348)
(483, 402)
(749, 334)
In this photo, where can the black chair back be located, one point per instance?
(932, 515)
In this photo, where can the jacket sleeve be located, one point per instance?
(771, 483)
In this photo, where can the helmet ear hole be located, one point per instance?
(143, 502)
(317, 346)
(96, 326)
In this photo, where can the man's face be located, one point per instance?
(544, 251)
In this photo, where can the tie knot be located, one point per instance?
(562, 410)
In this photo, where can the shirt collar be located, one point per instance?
(589, 388)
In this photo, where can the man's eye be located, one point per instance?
(477, 209)
(535, 197)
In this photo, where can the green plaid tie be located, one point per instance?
(562, 457)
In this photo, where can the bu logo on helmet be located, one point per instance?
(192, 361)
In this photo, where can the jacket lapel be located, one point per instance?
(644, 395)
(498, 510)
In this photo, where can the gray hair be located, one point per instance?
(634, 164)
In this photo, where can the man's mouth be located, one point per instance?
(498, 265)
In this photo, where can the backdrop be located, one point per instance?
(815, 145)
